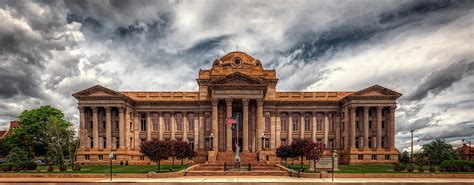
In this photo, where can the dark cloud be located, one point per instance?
(463, 129)
(442, 79)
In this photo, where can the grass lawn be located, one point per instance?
(369, 168)
(115, 169)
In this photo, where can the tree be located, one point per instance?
(438, 151)
(172, 151)
(314, 151)
(283, 152)
(182, 150)
(30, 132)
(420, 159)
(297, 148)
(404, 158)
(17, 155)
(58, 137)
(156, 151)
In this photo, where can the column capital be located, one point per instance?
(228, 101)
(108, 108)
(352, 107)
(379, 108)
(393, 107)
(81, 108)
(245, 101)
(214, 101)
(259, 102)
(121, 109)
(366, 108)
(94, 109)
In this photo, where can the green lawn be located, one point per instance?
(369, 168)
(115, 169)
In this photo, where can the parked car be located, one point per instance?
(37, 161)
(2, 161)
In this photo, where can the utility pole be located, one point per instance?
(411, 154)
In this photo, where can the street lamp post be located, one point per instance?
(411, 154)
(333, 157)
(212, 140)
(111, 155)
(263, 138)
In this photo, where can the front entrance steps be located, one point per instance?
(245, 158)
(258, 169)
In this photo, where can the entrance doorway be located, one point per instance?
(237, 132)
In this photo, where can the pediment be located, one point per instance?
(97, 91)
(236, 78)
(377, 90)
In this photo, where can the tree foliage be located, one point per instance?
(313, 151)
(297, 148)
(438, 151)
(156, 151)
(17, 155)
(404, 158)
(283, 152)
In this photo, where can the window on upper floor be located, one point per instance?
(191, 122)
(143, 122)
(284, 122)
(207, 123)
(295, 119)
(179, 121)
(319, 122)
(167, 120)
(155, 120)
(307, 122)
(267, 123)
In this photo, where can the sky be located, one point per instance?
(423, 49)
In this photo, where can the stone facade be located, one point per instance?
(360, 125)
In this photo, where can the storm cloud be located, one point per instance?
(422, 49)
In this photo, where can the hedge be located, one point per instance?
(457, 165)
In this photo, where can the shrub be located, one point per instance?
(7, 166)
(456, 165)
(77, 167)
(17, 155)
(403, 167)
(410, 168)
(126, 163)
(50, 168)
(432, 169)
(62, 168)
(420, 169)
(27, 165)
(121, 163)
(397, 167)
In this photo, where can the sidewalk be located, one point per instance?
(246, 180)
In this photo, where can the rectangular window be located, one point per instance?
(360, 157)
(267, 123)
(387, 157)
(142, 158)
(383, 125)
(91, 142)
(267, 142)
(143, 122)
(370, 142)
(383, 141)
(357, 126)
(207, 143)
(88, 157)
(319, 124)
(330, 144)
(179, 121)
(331, 122)
(342, 142)
(357, 142)
(307, 122)
(101, 157)
(207, 123)
(295, 122)
(91, 124)
(104, 143)
(155, 121)
(374, 157)
(370, 125)
(191, 143)
(167, 119)
(283, 142)
(284, 122)
(191, 122)
(117, 142)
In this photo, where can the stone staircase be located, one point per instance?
(258, 169)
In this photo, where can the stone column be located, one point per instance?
(197, 138)
(136, 130)
(337, 132)
(391, 131)
(108, 127)
(128, 123)
(122, 127)
(272, 130)
(83, 127)
(161, 127)
(352, 124)
(228, 103)
(290, 128)
(313, 126)
(302, 125)
(346, 128)
(326, 129)
(173, 126)
(202, 120)
(95, 128)
(185, 126)
(366, 127)
(277, 129)
(379, 128)
(259, 123)
(245, 139)
(214, 124)
(148, 126)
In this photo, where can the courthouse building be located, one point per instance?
(359, 126)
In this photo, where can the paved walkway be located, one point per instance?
(246, 180)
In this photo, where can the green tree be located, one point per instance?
(58, 135)
(438, 151)
(404, 158)
(30, 133)
(16, 155)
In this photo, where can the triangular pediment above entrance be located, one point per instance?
(376, 90)
(96, 91)
(236, 78)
